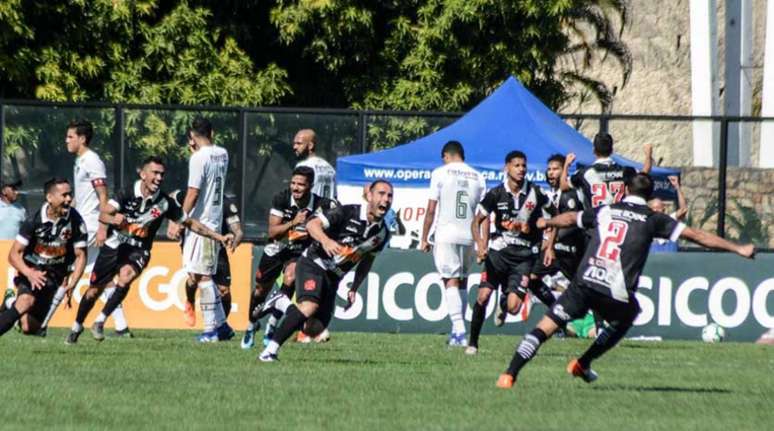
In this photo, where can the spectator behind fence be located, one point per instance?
(663, 245)
(11, 213)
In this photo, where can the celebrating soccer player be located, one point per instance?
(607, 278)
(345, 238)
(40, 256)
(508, 259)
(134, 217)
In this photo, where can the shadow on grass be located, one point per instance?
(660, 389)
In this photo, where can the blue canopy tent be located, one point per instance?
(510, 118)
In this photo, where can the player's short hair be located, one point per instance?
(515, 154)
(453, 148)
(202, 127)
(380, 181)
(556, 158)
(82, 128)
(603, 144)
(53, 182)
(641, 185)
(153, 159)
(306, 172)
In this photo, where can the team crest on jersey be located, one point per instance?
(310, 285)
(571, 203)
(155, 212)
(529, 205)
(66, 234)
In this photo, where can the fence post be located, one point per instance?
(362, 136)
(243, 167)
(2, 136)
(603, 123)
(722, 166)
(118, 131)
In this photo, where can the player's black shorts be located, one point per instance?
(576, 301)
(222, 275)
(566, 263)
(110, 260)
(270, 267)
(318, 285)
(43, 296)
(508, 269)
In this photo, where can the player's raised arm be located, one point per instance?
(564, 179)
(710, 240)
(647, 165)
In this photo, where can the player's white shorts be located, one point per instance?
(200, 254)
(91, 252)
(452, 260)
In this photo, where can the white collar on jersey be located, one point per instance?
(603, 161)
(138, 192)
(309, 206)
(635, 200)
(523, 189)
(44, 214)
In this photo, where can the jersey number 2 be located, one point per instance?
(611, 243)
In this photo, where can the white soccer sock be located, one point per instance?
(271, 323)
(9, 302)
(77, 327)
(119, 319)
(212, 309)
(272, 348)
(456, 302)
(58, 297)
(283, 303)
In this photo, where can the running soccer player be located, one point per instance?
(304, 144)
(91, 196)
(345, 238)
(607, 278)
(455, 190)
(510, 256)
(40, 256)
(290, 210)
(134, 216)
(604, 181)
(207, 170)
(222, 278)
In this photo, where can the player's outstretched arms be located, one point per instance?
(710, 240)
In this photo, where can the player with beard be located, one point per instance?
(304, 146)
(290, 210)
(345, 238)
(607, 279)
(40, 256)
(134, 217)
(509, 257)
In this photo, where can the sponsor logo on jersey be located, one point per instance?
(310, 285)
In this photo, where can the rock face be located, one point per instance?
(658, 36)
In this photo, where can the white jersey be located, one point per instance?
(207, 172)
(324, 176)
(457, 188)
(89, 171)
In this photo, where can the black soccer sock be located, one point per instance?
(542, 292)
(85, 307)
(476, 322)
(606, 339)
(7, 319)
(190, 291)
(115, 300)
(226, 301)
(287, 290)
(293, 321)
(526, 350)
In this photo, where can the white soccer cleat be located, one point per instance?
(471, 350)
(324, 336)
(268, 357)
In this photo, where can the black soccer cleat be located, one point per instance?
(98, 331)
(124, 333)
(72, 338)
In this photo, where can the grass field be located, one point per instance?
(162, 380)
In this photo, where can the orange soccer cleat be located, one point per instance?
(587, 374)
(505, 381)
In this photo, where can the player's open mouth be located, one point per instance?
(383, 208)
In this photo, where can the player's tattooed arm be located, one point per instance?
(278, 230)
(480, 238)
(111, 216)
(102, 194)
(236, 229)
(548, 246)
(78, 268)
(203, 230)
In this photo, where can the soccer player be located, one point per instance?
(455, 190)
(222, 278)
(304, 144)
(290, 210)
(345, 238)
(134, 216)
(204, 201)
(509, 258)
(607, 278)
(564, 247)
(40, 256)
(603, 182)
